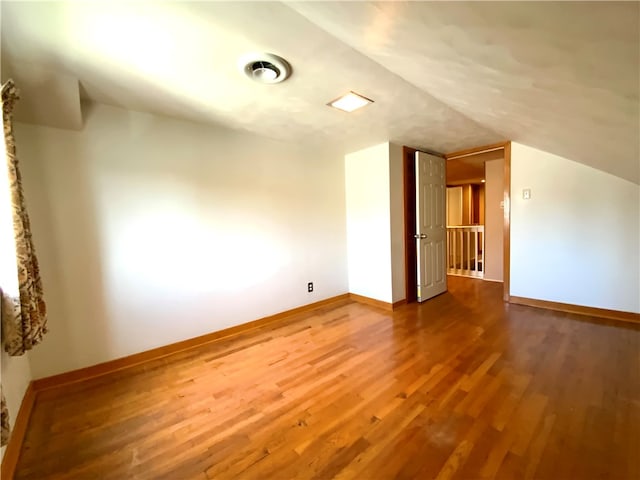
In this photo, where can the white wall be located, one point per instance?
(152, 230)
(396, 206)
(375, 222)
(16, 375)
(368, 222)
(454, 206)
(494, 220)
(577, 239)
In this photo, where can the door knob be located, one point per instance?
(420, 236)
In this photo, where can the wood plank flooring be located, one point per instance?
(463, 386)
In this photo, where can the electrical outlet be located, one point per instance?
(526, 194)
(310, 287)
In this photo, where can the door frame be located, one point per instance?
(410, 254)
(409, 182)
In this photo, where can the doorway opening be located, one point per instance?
(478, 217)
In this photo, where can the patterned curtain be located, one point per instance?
(24, 319)
(23, 311)
(4, 418)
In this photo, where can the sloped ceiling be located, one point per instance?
(562, 77)
(559, 76)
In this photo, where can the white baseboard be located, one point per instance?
(492, 280)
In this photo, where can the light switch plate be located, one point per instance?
(526, 193)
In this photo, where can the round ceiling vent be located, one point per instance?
(265, 67)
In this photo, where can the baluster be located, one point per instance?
(469, 252)
(475, 246)
(448, 251)
(461, 266)
(483, 262)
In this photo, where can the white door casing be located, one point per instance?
(431, 226)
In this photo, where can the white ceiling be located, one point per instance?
(562, 77)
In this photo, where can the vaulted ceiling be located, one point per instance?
(561, 77)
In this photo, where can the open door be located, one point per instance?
(431, 229)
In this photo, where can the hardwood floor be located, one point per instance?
(463, 386)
